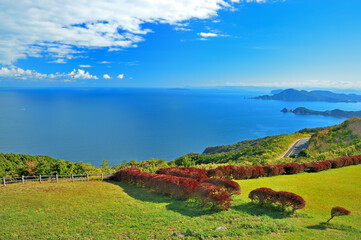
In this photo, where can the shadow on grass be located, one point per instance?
(340, 227)
(255, 209)
(189, 207)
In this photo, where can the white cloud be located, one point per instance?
(104, 62)
(85, 66)
(209, 34)
(106, 76)
(120, 76)
(19, 73)
(59, 60)
(64, 28)
(182, 29)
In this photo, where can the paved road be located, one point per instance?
(297, 147)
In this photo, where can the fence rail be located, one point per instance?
(56, 178)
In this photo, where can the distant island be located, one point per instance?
(333, 113)
(314, 96)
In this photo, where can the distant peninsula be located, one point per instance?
(313, 96)
(333, 113)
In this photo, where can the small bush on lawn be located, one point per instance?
(188, 172)
(285, 199)
(338, 211)
(257, 172)
(271, 170)
(231, 187)
(356, 159)
(210, 193)
(312, 167)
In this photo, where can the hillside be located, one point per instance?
(314, 96)
(343, 139)
(116, 210)
(326, 142)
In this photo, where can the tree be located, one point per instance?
(105, 166)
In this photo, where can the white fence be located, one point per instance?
(56, 178)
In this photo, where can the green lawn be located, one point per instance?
(113, 210)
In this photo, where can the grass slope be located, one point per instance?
(114, 210)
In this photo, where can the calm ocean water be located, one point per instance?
(92, 124)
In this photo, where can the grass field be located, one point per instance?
(114, 210)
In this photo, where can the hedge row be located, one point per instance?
(216, 191)
(241, 172)
(189, 172)
(285, 199)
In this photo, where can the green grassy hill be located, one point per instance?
(116, 210)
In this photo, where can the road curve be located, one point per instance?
(297, 147)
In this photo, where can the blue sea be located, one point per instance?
(92, 124)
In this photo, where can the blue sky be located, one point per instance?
(184, 43)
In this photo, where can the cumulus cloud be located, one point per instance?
(120, 76)
(106, 76)
(64, 28)
(19, 73)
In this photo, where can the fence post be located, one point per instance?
(56, 177)
(87, 177)
(22, 179)
(40, 178)
(72, 177)
(102, 177)
(4, 181)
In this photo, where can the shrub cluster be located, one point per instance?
(292, 168)
(214, 173)
(210, 193)
(216, 191)
(231, 187)
(241, 172)
(167, 184)
(273, 170)
(188, 172)
(285, 199)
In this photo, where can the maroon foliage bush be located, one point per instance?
(281, 169)
(271, 170)
(231, 187)
(242, 172)
(312, 167)
(210, 193)
(214, 173)
(288, 199)
(285, 199)
(188, 172)
(127, 174)
(257, 172)
(262, 195)
(226, 170)
(292, 168)
(325, 164)
(336, 163)
(338, 211)
(356, 159)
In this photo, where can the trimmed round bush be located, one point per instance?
(214, 173)
(292, 168)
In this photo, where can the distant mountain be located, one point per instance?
(314, 96)
(276, 91)
(333, 113)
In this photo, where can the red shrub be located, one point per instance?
(210, 193)
(356, 159)
(312, 167)
(226, 170)
(336, 163)
(271, 170)
(188, 172)
(262, 195)
(126, 174)
(214, 173)
(292, 168)
(288, 199)
(242, 172)
(325, 164)
(281, 169)
(257, 172)
(231, 187)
